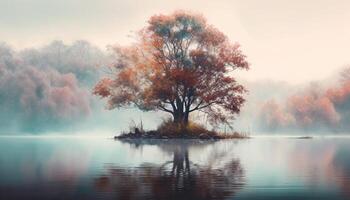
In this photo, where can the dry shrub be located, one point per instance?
(168, 127)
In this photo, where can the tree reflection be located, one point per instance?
(341, 170)
(178, 178)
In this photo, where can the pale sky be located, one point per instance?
(289, 40)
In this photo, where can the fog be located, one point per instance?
(49, 90)
(315, 107)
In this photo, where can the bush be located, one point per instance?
(168, 127)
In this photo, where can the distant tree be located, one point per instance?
(345, 75)
(178, 65)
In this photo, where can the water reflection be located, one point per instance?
(322, 162)
(341, 164)
(258, 168)
(178, 178)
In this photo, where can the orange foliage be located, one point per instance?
(103, 87)
(180, 64)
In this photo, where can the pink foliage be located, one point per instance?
(314, 107)
(36, 98)
(51, 93)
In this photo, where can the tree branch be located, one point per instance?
(165, 109)
(198, 107)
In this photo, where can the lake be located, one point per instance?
(102, 168)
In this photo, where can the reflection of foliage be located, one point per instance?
(175, 179)
(167, 145)
(342, 170)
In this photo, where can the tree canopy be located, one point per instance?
(179, 64)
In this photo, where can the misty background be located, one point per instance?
(53, 52)
(49, 89)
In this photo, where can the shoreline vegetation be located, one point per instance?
(170, 130)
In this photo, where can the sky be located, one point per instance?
(292, 41)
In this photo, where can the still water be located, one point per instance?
(101, 168)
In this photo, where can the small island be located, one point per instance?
(170, 130)
(179, 64)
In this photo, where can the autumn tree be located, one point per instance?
(179, 64)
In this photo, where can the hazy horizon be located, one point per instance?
(292, 41)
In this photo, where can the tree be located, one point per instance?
(179, 64)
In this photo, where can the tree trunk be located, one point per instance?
(185, 120)
(181, 118)
(178, 117)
